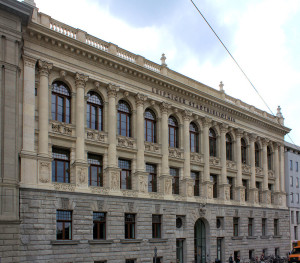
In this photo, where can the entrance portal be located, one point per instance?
(200, 242)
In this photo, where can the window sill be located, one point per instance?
(64, 242)
(158, 240)
(100, 241)
(264, 237)
(251, 237)
(237, 238)
(279, 236)
(129, 241)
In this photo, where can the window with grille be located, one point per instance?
(156, 226)
(125, 174)
(95, 170)
(99, 225)
(60, 165)
(130, 226)
(63, 225)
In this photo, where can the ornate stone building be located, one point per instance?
(119, 155)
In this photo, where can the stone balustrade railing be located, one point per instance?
(84, 37)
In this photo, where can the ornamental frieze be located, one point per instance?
(64, 187)
(126, 142)
(95, 135)
(99, 190)
(60, 128)
(152, 147)
(230, 165)
(175, 153)
(246, 168)
(44, 172)
(130, 193)
(196, 157)
(271, 174)
(258, 170)
(214, 161)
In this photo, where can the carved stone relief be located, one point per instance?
(81, 176)
(44, 172)
(143, 184)
(64, 187)
(115, 185)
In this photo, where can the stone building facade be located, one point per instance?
(122, 158)
(292, 160)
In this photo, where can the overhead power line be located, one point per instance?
(239, 67)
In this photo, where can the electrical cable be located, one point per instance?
(240, 69)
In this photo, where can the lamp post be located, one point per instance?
(155, 254)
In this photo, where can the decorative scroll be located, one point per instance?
(126, 142)
(175, 153)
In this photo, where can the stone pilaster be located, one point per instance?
(207, 188)
(223, 187)
(140, 181)
(239, 189)
(265, 164)
(186, 144)
(253, 191)
(187, 187)
(140, 99)
(112, 179)
(224, 190)
(206, 174)
(165, 182)
(112, 129)
(44, 70)
(253, 195)
(164, 139)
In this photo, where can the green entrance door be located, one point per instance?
(200, 242)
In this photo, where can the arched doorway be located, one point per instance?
(200, 241)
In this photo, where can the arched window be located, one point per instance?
(244, 151)
(173, 132)
(194, 137)
(228, 147)
(212, 143)
(150, 126)
(61, 102)
(124, 116)
(256, 155)
(269, 156)
(94, 111)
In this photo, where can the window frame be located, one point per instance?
(56, 94)
(229, 148)
(99, 176)
(269, 158)
(256, 155)
(100, 224)
(173, 140)
(151, 169)
(243, 151)
(174, 172)
(264, 227)
(195, 175)
(212, 142)
(98, 108)
(236, 221)
(276, 227)
(156, 226)
(57, 158)
(194, 137)
(130, 226)
(152, 122)
(214, 180)
(125, 172)
(127, 115)
(250, 226)
(64, 221)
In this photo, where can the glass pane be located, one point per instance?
(99, 119)
(60, 171)
(67, 172)
(68, 230)
(59, 230)
(60, 108)
(68, 111)
(53, 171)
(95, 231)
(94, 171)
(53, 106)
(93, 117)
(123, 179)
(88, 116)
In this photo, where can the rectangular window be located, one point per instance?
(156, 226)
(99, 225)
(235, 226)
(258, 186)
(125, 174)
(158, 260)
(292, 217)
(297, 182)
(230, 182)
(276, 227)
(292, 197)
(63, 225)
(130, 261)
(291, 180)
(295, 233)
(277, 254)
(129, 226)
(297, 198)
(245, 184)
(152, 177)
(102, 261)
(291, 165)
(264, 227)
(214, 180)
(95, 170)
(296, 166)
(195, 177)
(250, 227)
(60, 165)
(251, 254)
(297, 217)
(174, 172)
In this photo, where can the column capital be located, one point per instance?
(29, 61)
(252, 137)
(63, 74)
(140, 99)
(207, 121)
(239, 133)
(187, 115)
(80, 80)
(112, 90)
(264, 142)
(44, 67)
(223, 128)
(165, 107)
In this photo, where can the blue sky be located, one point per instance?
(262, 35)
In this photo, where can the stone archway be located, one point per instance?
(200, 241)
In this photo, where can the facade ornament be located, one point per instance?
(97, 84)
(227, 195)
(143, 185)
(264, 142)
(223, 128)
(126, 94)
(44, 172)
(187, 115)
(207, 122)
(221, 85)
(140, 99)
(163, 60)
(82, 176)
(252, 137)
(44, 67)
(63, 74)
(190, 190)
(112, 90)
(239, 133)
(164, 107)
(279, 114)
(29, 61)
(80, 80)
(115, 181)
(168, 186)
